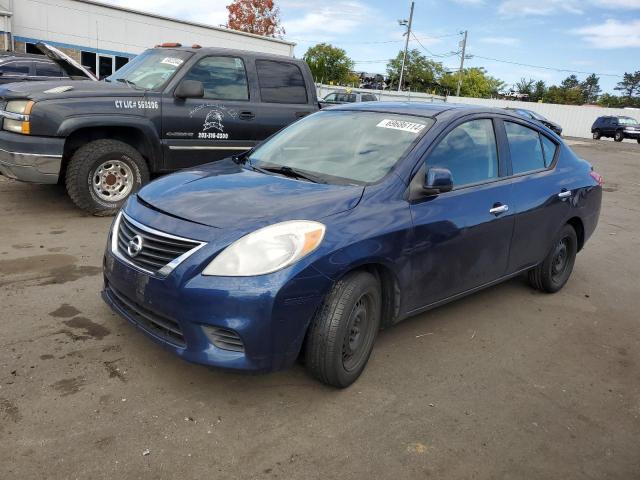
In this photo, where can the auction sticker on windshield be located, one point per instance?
(175, 62)
(401, 125)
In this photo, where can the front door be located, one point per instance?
(201, 130)
(462, 237)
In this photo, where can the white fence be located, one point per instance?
(383, 95)
(575, 120)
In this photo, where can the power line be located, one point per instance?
(431, 54)
(545, 68)
(435, 37)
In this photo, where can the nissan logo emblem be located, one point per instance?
(135, 246)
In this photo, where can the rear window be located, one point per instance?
(281, 82)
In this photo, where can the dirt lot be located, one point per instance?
(505, 384)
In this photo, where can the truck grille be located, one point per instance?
(155, 252)
(162, 327)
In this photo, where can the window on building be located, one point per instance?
(47, 69)
(469, 152)
(31, 48)
(525, 148)
(88, 60)
(223, 78)
(280, 82)
(121, 62)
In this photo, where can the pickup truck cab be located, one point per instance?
(169, 108)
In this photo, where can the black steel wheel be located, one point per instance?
(341, 337)
(554, 271)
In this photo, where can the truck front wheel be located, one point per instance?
(103, 173)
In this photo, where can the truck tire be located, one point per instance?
(341, 336)
(102, 174)
(619, 136)
(596, 134)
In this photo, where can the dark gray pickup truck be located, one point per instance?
(169, 108)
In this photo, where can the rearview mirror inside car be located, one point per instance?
(437, 180)
(190, 89)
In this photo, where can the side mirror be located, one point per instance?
(190, 89)
(437, 180)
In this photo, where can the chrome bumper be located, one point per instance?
(30, 167)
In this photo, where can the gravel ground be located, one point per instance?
(506, 384)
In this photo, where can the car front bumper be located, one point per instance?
(269, 314)
(30, 158)
(635, 134)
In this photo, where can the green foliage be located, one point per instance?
(329, 64)
(420, 73)
(590, 88)
(630, 84)
(475, 83)
(525, 87)
(539, 91)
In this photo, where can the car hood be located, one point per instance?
(224, 195)
(55, 89)
(68, 64)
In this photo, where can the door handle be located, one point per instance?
(499, 208)
(564, 194)
(247, 115)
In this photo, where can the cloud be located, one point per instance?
(611, 34)
(518, 8)
(614, 4)
(325, 21)
(209, 12)
(504, 41)
(469, 2)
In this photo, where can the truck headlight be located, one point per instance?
(16, 116)
(268, 249)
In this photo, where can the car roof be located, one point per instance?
(423, 109)
(4, 56)
(231, 51)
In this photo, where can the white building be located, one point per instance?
(103, 37)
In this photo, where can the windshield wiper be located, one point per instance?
(128, 82)
(291, 173)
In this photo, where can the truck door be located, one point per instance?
(201, 130)
(284, 97)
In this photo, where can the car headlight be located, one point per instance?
(16, 116)
(268, 249)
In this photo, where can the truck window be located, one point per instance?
(15, 68)
(223, 78)
(280, 82)
(46, 69)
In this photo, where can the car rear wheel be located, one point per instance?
(596, 134)
(342, 334)
(619, 136)
(102, 174)
(554, 272)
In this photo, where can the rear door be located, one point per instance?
(284, 97)
(201, 130)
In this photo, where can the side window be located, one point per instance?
(614, 121)
(525, 148)
(369, 98)
(280, 82)
(45, 69)
(469, 152)
(223, 78)
(549, 149)
(330, 98)
(15, 69)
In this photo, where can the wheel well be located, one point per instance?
(82, 136)
(578, 226)
(389, 289)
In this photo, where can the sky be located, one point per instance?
(599, 36)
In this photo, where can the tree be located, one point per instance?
(525, 87)
(475, 83)
(329, 64)
(570, 82)
(261, 17)
(420, 73)
(630, 84)
(608, 100)
(590, 88)
(539, 91)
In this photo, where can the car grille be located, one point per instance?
(162, 327)
(224, 338)
(156, 252)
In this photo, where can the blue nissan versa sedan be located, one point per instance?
(346, 221)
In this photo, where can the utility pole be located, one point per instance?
(406, 44)
(461, 72)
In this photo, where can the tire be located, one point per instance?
(554, 271)
(596, 134)
(341, 336)
(619, 136)
(102, 174)
(638, 140)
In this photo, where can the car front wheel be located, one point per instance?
(102, 174)
(596, 134)
(619, 136)
(554, 271)
(341, 337)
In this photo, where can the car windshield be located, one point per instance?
(151, 69)
(627, 121)
(342, 146)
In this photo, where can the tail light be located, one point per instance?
(597, 177)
